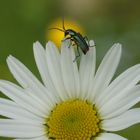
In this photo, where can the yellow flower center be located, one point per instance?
(73, 120)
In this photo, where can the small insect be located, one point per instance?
(75, 37)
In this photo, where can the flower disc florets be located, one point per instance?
(73, 119)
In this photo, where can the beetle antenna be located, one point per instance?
(56, 29)
(63, 23)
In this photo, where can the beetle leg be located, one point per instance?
(70, 44)
(86, 39)
(73, 42)
(66, 38)
(77, 56)
(70, 38)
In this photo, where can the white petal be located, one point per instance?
(12, 110)
(44, 137)
(53, 64)
(69, 69)
(20, 129)
(21, 98)
(29, 81)
(106, 71)
(87, 70)
(123, 121)
(109, 136)
(40, 57)
(121, 84)
(120, 103)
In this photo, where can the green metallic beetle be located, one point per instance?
(80, 41)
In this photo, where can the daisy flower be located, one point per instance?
(73, 102)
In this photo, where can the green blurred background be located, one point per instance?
(23, 22)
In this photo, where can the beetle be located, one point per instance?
(80, 41)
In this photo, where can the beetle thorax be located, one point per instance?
(69, 32)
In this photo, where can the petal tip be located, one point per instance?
(37, 44)
(118, 45)
(50, 44)
(92, 43)
(9, 57)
